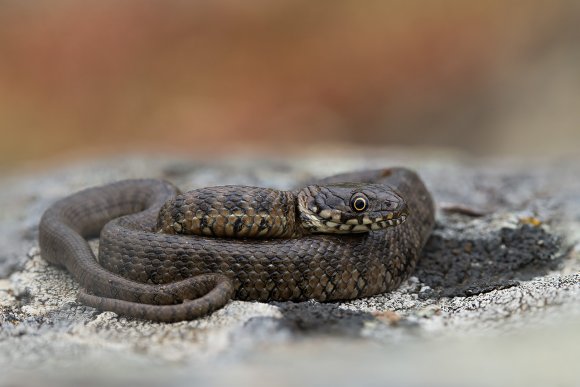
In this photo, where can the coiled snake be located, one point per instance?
(347, 236)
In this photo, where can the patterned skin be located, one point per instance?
(170, 257)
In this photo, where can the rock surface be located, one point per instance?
(495, 299)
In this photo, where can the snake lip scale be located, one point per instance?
(166, 256)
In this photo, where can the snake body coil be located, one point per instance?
(348, 236)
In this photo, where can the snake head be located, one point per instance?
(350, 208)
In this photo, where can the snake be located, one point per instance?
(169, 256)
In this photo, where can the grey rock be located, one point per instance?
(500, 290)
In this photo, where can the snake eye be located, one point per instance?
(359, 203)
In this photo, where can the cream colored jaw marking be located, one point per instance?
(365, 220)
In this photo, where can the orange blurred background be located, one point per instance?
(207, 78)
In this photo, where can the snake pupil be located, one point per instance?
(359, 204)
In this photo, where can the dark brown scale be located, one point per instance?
(167, 276)
(231, 212)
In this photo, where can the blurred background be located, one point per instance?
(95, 77)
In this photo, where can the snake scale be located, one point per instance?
(166, 256)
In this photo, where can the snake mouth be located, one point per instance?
(321, 222)
(358, 226)
(389, 222)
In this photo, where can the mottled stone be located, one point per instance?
(507, 281)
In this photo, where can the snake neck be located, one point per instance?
(232, 212)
